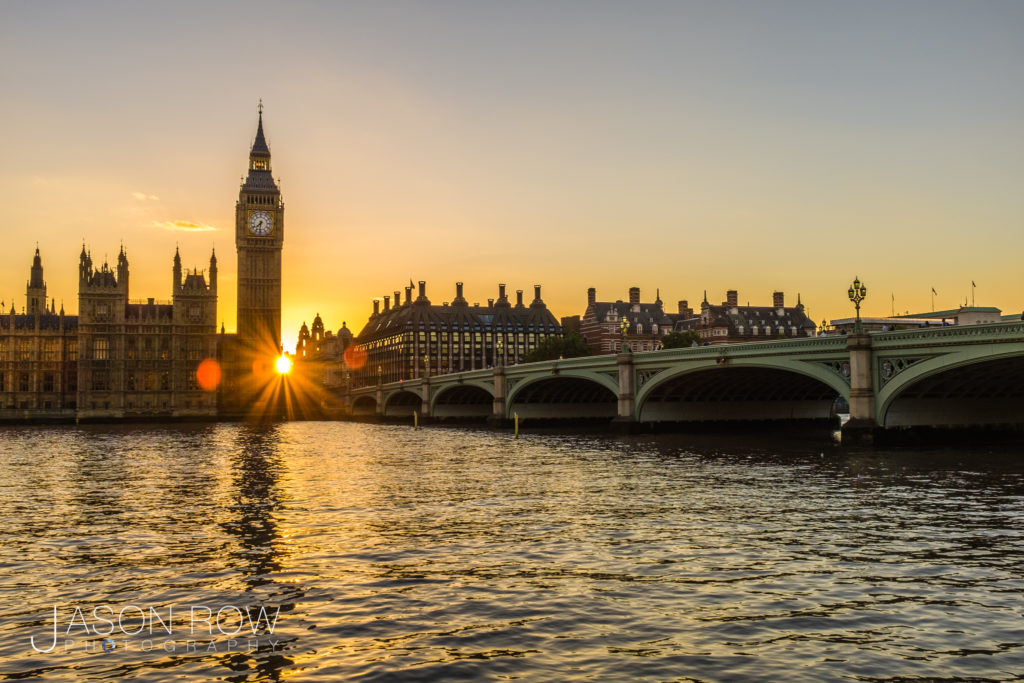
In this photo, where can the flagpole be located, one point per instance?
(972, 293)
(933, 299)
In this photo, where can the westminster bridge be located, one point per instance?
(970, 376)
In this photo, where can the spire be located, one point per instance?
(259, 145)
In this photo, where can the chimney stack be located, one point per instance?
(684, 309)
(387, 303)
(591, 296)
(458, 290)
(519, 298)
(408, 295)
(536, 294)
(777, 300)
(376, 307)
(490, 303)
(501, 291)
(634, 295)
(732, 298)
(423, 290)
(398, 298)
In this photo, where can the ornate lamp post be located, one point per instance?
(501, 347)
(380, 375)
(624, 328)
(857, 293)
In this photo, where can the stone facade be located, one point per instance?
(118, 358)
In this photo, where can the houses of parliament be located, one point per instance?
(122, 357)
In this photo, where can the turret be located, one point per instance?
(177, 271)
(122, 270)
(35, 291)
(213, 272)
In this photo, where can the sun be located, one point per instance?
(283, 365)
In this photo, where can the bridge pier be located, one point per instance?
(425, 402)
(498, 416)
(380, 399)
(862, 425)
(625, 417)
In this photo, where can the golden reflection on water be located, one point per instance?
(407, 554)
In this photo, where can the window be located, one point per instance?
(50, 349)
(24, 349)
(99, 381)
(23, 382)
(100, 348)
(72, 347)
(48, 381)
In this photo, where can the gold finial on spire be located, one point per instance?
(261, 107)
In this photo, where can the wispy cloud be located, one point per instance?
(184, 226)
(143, 197)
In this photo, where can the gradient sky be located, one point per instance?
(682, 145)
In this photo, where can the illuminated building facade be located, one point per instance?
(415, 338)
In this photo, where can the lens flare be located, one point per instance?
(208, 375)
(355, 357)
(283, 365)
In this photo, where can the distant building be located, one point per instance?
(321, 353)
(647, 323)
(730, 322)
(965, 315)
(416, 338)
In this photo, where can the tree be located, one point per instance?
(680, 340)
(552, 348)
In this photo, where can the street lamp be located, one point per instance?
(624, 328)
(501, 347)
(380, 374)
(823, 328)
(857, 293)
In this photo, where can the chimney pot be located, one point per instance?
(423, 289)
(376, 307)
(591, 296)
(519, 297)
(387, 303)
(408, 295)
(458, 290)
(536, 293)
(732, 298)
(501, 291)
(634, 295)
(778, 300)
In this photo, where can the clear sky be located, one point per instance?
(679, 145)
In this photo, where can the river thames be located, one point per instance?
(383, 553)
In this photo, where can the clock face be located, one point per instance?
(261, 223)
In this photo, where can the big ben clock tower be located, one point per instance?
(259, 236)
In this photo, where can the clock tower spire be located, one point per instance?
(259, 237)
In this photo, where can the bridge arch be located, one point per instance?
(566, 395)
(467, 399)
(364, 405)
(402, 403)
(973, 386)
(741, 389)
